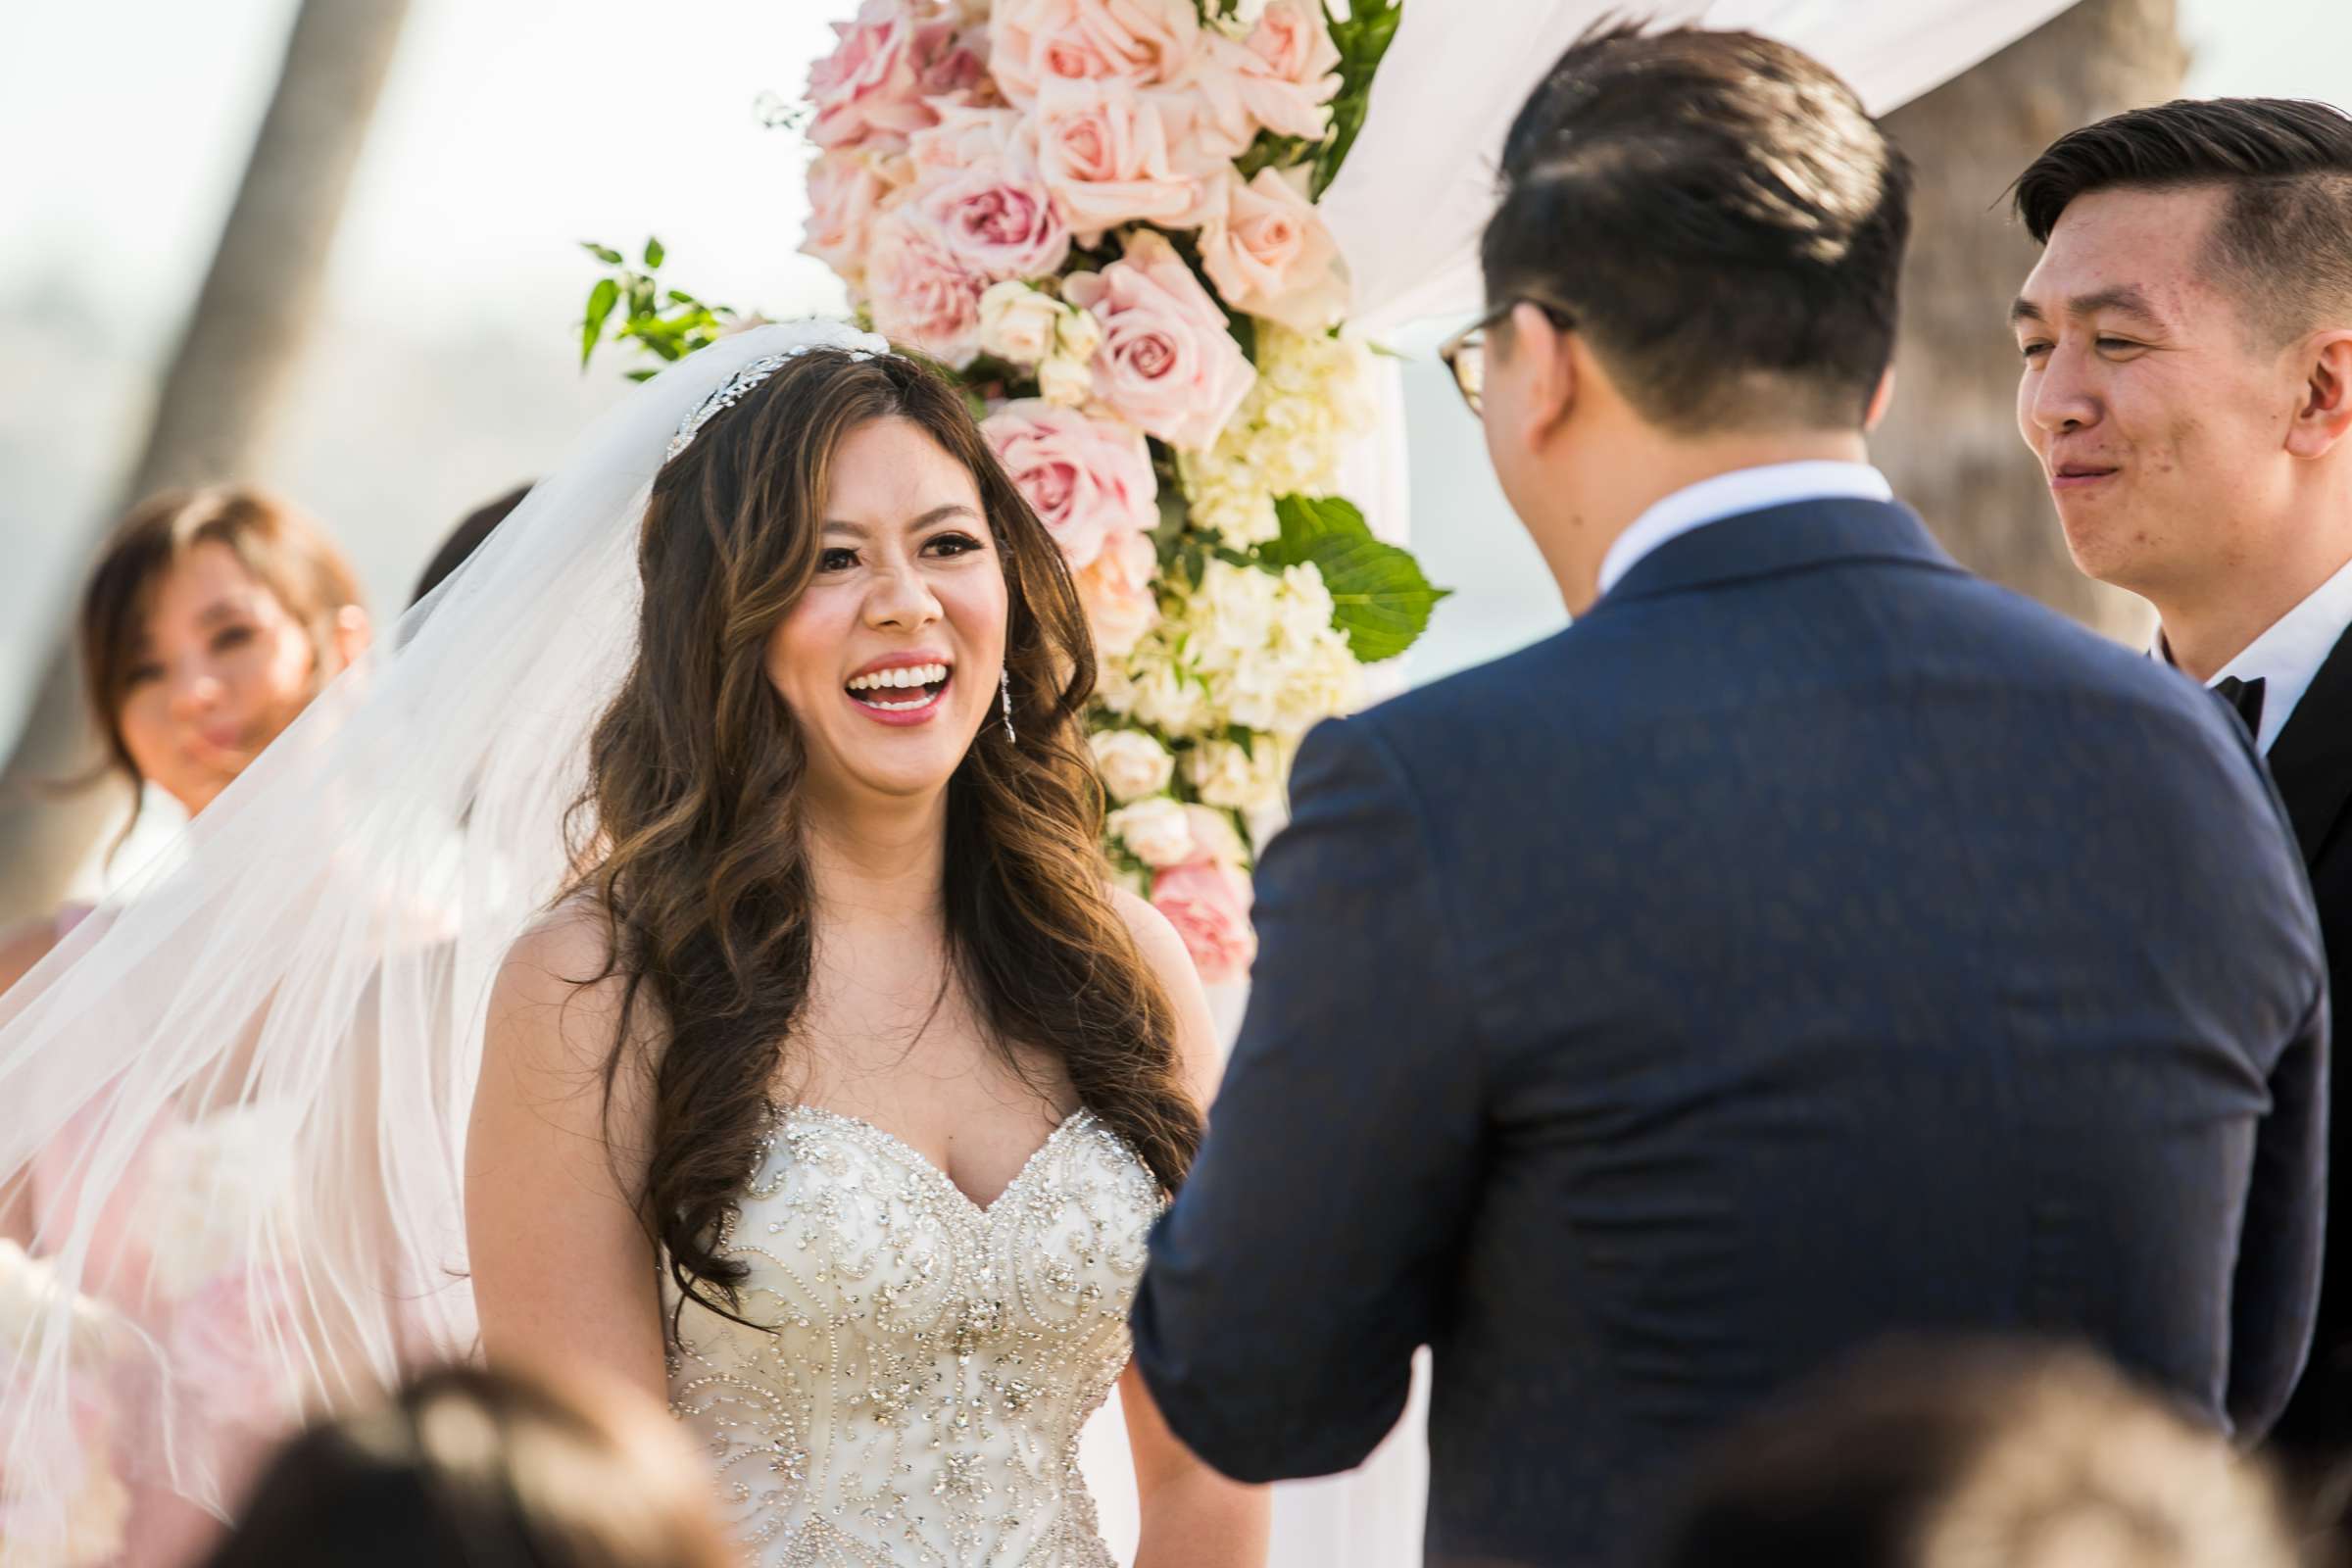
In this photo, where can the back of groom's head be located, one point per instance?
(1721, 219)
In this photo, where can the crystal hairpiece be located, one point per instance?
(734, 392)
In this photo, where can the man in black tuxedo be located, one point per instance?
(2188, 385)
(1812, 941)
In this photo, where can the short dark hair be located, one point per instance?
(465, 539)
(2284, 241)
(490, 1469)
(1721, 217)
(1933, 1452)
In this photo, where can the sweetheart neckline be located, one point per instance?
(930, 1168)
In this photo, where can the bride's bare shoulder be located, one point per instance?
(559, 993)
(567, 949)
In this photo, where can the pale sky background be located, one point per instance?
(445, 367)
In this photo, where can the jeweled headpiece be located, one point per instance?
(734, 392)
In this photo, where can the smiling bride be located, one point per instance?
(702, 967)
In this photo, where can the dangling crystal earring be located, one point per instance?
(1004, 683)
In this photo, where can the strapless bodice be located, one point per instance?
(915, 1389)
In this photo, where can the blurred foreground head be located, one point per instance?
(487, 1470)
(1976, 1454)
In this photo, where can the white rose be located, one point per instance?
(1017, 323)
(1077, 334)
(1156, 830)
(1213, 835)
(1066, 383)
(1248, 781)
(1132, 763)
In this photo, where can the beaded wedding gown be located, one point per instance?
(914, 1390)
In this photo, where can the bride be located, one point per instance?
(807, 1068)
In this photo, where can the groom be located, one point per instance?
(2187, 364)
(1811, 942)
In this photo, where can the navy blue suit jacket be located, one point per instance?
(1813, 941)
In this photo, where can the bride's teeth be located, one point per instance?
(893, 679)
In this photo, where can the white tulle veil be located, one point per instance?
(257, 1064)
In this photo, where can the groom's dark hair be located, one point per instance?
(1720, 217)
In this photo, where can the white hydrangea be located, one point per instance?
(1246, 780)
(1263, 650)
(1312, 396)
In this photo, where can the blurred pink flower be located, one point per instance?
(1269, 254)
(1208, 904)
(847, 191)
(1116, 591)
(999, 220)
(870, 90)
(1288, 69)
(921, 293)
(1088, 480)
(1141, 42)
(1168, 363)
(1109, 154)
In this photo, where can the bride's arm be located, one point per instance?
(1190, 1516)
(562, 1270)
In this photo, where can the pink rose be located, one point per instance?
(1208, 904)
(1268, 253)
(1105, 149)
(921, 293)
(870, 89)
(847, 191)
(1288, 70)
(1168, 363)
(1116, 590)
(1088, 481)
(1145, 43)
(998, 220)
(968, 135)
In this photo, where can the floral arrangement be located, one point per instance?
(1100, 213)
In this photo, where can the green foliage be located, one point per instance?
(668, 324)
(1379, 596)
(1363, 36)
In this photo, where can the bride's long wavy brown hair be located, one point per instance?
(689, 833)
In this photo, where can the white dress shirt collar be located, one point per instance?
(2286, 657)
(1734, 494)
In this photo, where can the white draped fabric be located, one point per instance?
(1408, 211)
(1409, 204)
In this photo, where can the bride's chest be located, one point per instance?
(850, 1240)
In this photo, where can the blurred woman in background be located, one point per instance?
(210, 621)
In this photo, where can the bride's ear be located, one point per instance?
(352, 633)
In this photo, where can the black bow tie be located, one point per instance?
(2244, 697)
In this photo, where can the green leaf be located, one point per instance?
(653, 253)
(1379, 596)
(600, 300)
(1307, 521)
(604, 253)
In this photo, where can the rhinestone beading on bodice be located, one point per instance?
(915, 1392)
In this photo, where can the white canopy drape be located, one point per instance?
(1409, 205)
